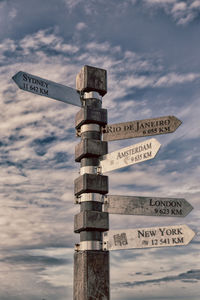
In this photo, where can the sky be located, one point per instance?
(150, 49)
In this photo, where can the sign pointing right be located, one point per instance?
(168, 236)
(146, 206)
(141, 128)
(129, 155)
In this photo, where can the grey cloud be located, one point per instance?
(38, 166)
(36, 260)
(41, 145)
(191, 277)
(182, 12)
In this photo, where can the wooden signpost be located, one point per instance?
(91, 257)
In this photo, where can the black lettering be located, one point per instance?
(142, 126)
(137, 126)
(140, 233)
(25, 77)
(179, 231)
(118, 129)
(178, 240)
(167, 122)
(43, 91)
(109, 129)
(29, 78)
(147, 125)
(168, 232)
(147, 155)
(167, 129)
(128, 127)
(151, 202)
(162, 231)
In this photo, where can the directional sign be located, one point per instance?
(140, 128)
(130, 155)
(146, 206)
(167, 236)
(47, 88)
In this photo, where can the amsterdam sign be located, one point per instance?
(130, 155)
(140, 128)
(146, 206)
(168, 236)
(47, 88)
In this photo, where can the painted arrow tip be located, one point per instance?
(190, 234)
(176, 122)
(156, 146)
(15, 78)
(189, 207)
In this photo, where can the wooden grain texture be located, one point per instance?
(91, 183)
(147, 206)
(140, 128)
(91, 275)
(92, 79)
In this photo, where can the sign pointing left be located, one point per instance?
(47, 88)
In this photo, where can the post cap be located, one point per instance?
(92, 79)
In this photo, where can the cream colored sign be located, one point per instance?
(130, 155)
(167, 236)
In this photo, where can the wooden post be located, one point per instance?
(91, 263)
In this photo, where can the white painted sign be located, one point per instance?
(153, 237)
(146, 206)
(47, 88)
(130, 155)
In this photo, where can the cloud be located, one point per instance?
(45, 39)
(13, 13)
(37, 157)
(173, 78)
(30, 259)
(183, 12)
(80, 26)
(71, 4)
(195, 4)
(191, 276)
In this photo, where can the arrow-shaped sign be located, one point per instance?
(146, 206)
(140, 128)
(130, 155)
(167, 236)
(47, 88)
